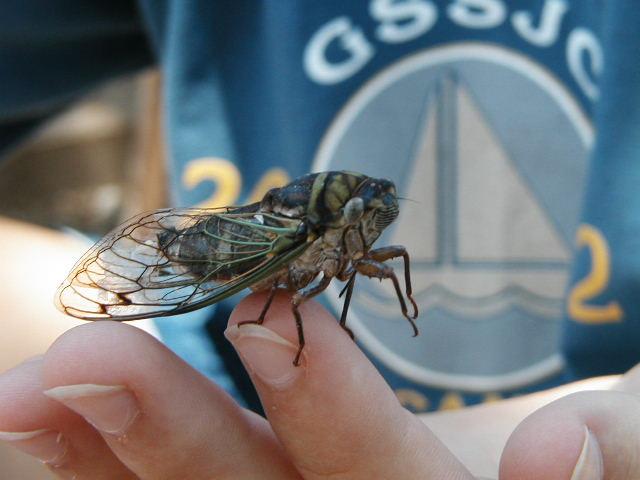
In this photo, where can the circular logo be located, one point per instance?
(489, 152)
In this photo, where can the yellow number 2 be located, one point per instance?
(221, 172)
(594, 283)
(228, 181)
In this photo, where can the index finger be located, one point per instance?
(334, 413)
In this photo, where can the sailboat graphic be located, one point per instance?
(479, 239)
(492, 153)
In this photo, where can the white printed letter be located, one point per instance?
(477, 13)
(547, 32)
(401, 21)
(582, 42)
(351, 40)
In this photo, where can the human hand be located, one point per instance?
(333, 417)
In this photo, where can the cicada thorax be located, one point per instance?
(330, 193)
(344, 212)
(316, 201)
(317, 198)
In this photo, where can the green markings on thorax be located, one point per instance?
(330, 192)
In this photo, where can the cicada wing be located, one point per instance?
(176, 260)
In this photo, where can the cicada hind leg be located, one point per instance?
(265, 309)
(300, 297)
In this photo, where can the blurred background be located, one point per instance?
(94, 165)
(87, 170)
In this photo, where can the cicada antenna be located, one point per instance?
(407, 199)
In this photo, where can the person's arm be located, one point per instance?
(33, 260)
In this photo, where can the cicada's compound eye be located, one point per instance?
(353, 210)
(389, 209)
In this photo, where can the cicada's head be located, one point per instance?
(343, 199)
(374, 206)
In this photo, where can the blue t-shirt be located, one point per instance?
(510, 127)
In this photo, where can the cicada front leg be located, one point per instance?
(300, 297)
(394, 251)
(373, 268)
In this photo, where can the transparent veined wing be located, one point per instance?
(176, 260)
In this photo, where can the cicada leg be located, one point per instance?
(394, 251)
(300, 297)
(263, 313)
(375, 269)
(348, 289)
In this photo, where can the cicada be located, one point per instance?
(298, 238)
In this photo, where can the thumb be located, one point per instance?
(334, 414)
(583, 436)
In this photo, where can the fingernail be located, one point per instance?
(109, 408)
(46, 445)
(266, 354)
(590, 465)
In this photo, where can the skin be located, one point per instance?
(334, 417)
